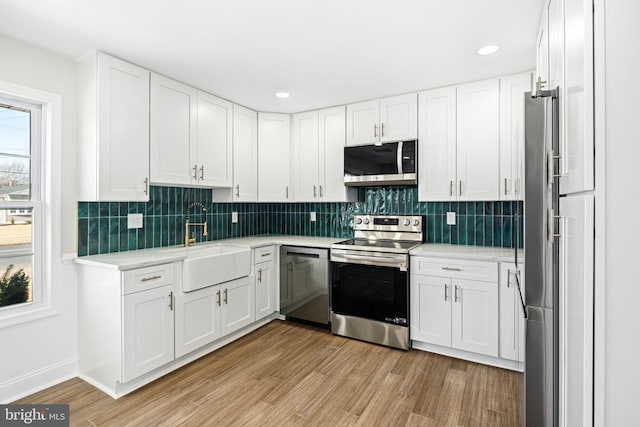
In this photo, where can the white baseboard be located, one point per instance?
(472, 357)
(17, 388)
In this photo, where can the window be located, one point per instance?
(20, 203)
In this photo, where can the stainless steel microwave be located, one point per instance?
(391, 163)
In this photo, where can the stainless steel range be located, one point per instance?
(370, 279)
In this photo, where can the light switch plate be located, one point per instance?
(234, 217)
(134, 221)
(312, 216)
(451, 218)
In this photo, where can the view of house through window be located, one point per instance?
(17, 203)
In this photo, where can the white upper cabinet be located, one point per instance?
(213, 152)
(317, 156)
(542, 53)
(113, 130)
(362, 122)
(577, 143)
(305, 157)
(478, 140)
(332, 126)
(387, 119)
(512, 89)
(173, 132)
(245, 155)
(274, 134)
(399, 118)
(437, 145)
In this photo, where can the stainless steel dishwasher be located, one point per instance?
(304, 284)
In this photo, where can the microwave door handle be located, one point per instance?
(399, 158)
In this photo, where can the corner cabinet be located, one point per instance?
(245, 155)
(274, 152)
(388, 119)
(113, 130)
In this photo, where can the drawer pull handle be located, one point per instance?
(451, 269)
(266, 254)
(225, 297)
(455, 296)
(218, 298)
(446, 288)
(260, 276)
(147, 279)
(171, 300)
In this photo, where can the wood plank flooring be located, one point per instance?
(290, 374)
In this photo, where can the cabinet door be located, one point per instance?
(399, 118)
(332, 135)
(238, 304)
(123, 130)
(147, 331)
(478, 140)
(245, 154)
(512, 89)
(511, 313)
(197, 320)
(437, 145)
(214, 150)
(431, 309)
(305, 157)
(474, 316)
(362, 122)
(266, 290)
(273, 157)
(173, 131)
(577, 144)
(542, 49)
(576, 307)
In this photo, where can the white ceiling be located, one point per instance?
(324, 52)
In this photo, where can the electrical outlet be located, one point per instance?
(134, 221)
(312, 216)
(234, 217)
(451, 218)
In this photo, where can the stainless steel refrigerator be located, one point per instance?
(541, 258)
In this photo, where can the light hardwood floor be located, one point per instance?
(290, 374)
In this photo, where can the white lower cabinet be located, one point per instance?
(207, 314)
(147, 331)
(512, 322)
(464, 309)
(197, 319)
(266, 282)
(125, 323)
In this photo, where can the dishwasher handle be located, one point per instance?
(303, 254)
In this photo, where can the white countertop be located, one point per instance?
(147, 257)
(480, 253)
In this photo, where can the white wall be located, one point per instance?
(36, 354)
(622, 210)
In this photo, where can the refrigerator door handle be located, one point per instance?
(552, 175)
(551, 220)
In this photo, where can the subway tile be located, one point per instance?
(132, 239)
(124, 234)
(471, 230)
(103, 234)
(83, 209)
(462, 229)
(479, 226)
(83, 236)
(94, 209)
(94, 235)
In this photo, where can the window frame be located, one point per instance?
(45, 202)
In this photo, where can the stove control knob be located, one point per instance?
(366, 221)
(416, 221)
(406, 222)
(359, 221)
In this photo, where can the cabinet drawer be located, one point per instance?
(147, 278)
(264, 254)
(455, 268)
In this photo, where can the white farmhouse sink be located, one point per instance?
(210, 265)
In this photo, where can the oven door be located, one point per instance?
(370, 292)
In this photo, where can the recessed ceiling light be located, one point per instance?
(488, 50)
(282, 94)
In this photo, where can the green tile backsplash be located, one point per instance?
(102, 226)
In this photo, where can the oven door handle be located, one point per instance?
(375, 260)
